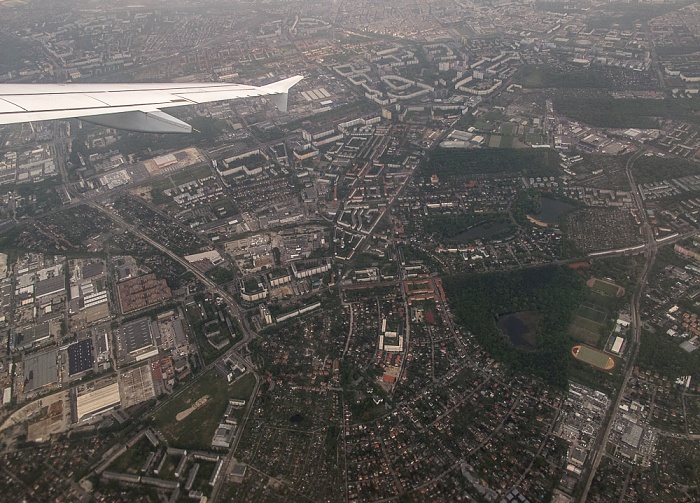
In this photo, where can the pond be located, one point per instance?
(520, 329)
(551, 210)
(296, 419)
(484, 231)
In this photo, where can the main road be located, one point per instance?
(651, 247)
(211, 285)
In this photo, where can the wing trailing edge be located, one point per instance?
(142, 122)
(135, 107)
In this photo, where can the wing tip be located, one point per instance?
(283, 86)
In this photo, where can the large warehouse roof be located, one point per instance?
(40, 369)
(137, 335)
(96, 401)
(50, 286)
(80, 357)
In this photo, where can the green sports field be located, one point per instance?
(593, 357)
(592, 313)
(605, 288)
(578, 332)
(588, 323)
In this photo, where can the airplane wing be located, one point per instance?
(134, 107)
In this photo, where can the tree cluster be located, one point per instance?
(455, 162)
(552, 292)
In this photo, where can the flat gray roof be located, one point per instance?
(30, 335)
(137, 335)
(49, 286)
(180, 337)
(92, 270)
(40, 370)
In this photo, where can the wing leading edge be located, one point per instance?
(134, 107)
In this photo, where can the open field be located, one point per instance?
(579, 333)
(592, 313)
(133, 459)
(593, 357)
(196, 430)
(189, 174)
(585, 330)
(588, 323)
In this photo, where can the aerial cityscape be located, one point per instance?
(459, 261)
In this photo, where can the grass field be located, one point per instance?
(602, 110)
(228, 206)
(604, 287)
(157, 188)
(133, 459)
(583, 335)
(593, 357)
(592, 313)
(535, 138)
(189, 174)
(692, 404)
(197, 429)
(507, 141)
(495, 140)
(466, 163)
(201, 482)
(539, 76)
(588, 324)
(508, 131)
(167, 472)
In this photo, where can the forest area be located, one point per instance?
(602, 110)
(469, 162)
(551, 292)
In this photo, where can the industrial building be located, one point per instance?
(50, 286)
(80, 357)
(142, 292)
(91, 401)
(40, 370)
(136, 340)
(29, 337)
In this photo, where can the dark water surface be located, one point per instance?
(551, 210)
(520, 335)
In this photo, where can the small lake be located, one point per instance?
(520, 329)
(482, 231)
(551, 210)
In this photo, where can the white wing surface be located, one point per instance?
(134, 107)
